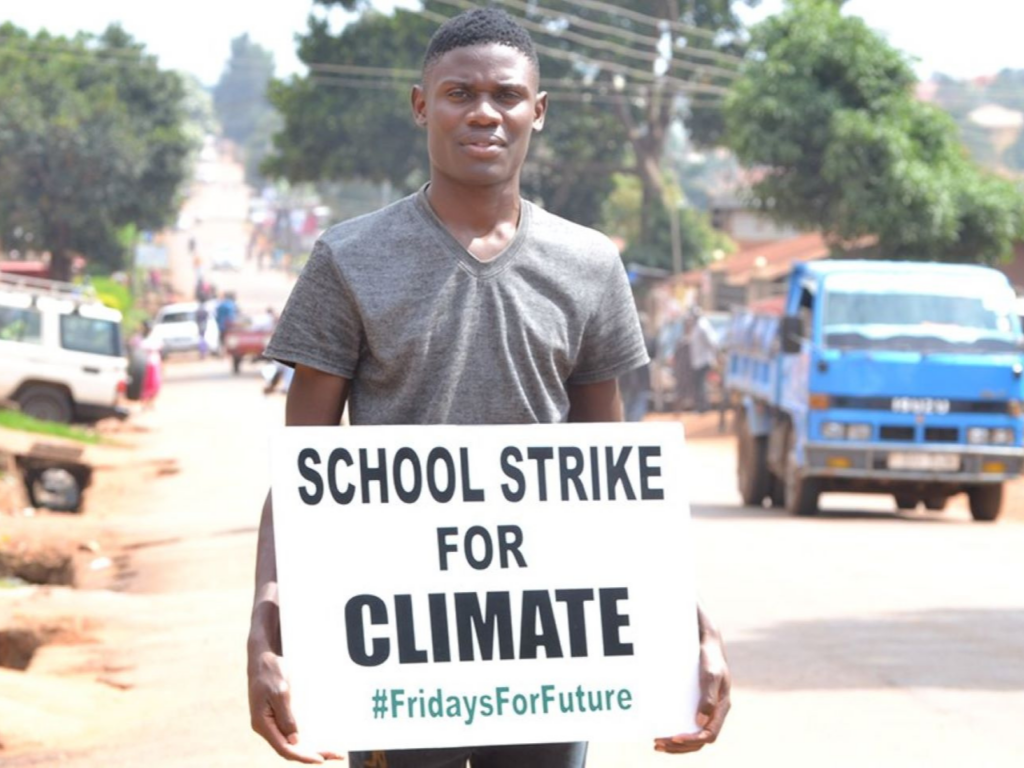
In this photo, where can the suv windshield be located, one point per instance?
(86, 334)
(962, 313)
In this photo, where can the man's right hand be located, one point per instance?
(271, 712)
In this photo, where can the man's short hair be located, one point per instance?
(479, 26)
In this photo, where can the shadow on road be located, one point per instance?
(714, 511)
(956, 649)
(198, 375)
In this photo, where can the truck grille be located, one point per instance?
(941, 434)
(894, 432)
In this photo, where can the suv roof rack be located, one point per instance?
(43, 287)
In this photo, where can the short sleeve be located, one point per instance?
(320, 325)
(613, 342)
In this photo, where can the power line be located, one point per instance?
(653, 21)
(625, 34)
(622, 50)
(410, 74)
(577, 58)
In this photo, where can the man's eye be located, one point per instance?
(510, 96)
(458, 93)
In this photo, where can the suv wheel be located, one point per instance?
(46, 403)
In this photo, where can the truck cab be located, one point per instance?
(902, 378)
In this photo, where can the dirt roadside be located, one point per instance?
(147, 654)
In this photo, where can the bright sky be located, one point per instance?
(978, 38)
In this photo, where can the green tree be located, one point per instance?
(91, 141)
(826, 108)
(652, 63)
(698, 240)
(241, 102)
(350, 117)
(610, 111)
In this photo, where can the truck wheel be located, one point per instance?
(751, 468)
(905, 502)
(236, 363)
(46, 403)
(801, 492)
(986, 502)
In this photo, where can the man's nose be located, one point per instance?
(484, 112)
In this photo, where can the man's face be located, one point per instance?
(479, 105)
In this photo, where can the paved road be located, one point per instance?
(857, 639)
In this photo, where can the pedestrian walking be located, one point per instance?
(460, 304)
(703, 342)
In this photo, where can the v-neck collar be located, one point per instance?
(467, 260)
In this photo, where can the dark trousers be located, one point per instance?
(571, 755)
(700, 386)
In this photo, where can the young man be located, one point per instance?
(461, 304)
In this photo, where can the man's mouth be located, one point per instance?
(483, 141)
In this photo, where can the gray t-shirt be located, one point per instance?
(430, 335)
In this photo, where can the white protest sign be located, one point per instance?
(460, 586)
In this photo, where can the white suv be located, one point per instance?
(176, 328)
(61, 357)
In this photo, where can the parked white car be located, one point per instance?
(176, 328)
(61, 356)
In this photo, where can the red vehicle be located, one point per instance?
(246, 338)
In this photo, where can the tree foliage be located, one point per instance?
(343, 123)
(240, 99)
(826, 108)
(91, 141)
(350, 117)
(698, 240)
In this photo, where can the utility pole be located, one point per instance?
(677, 246)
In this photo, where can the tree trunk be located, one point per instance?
(649, 171)
(60, 265)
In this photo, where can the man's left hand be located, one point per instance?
(714, 699)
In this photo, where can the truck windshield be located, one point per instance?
(946, 312)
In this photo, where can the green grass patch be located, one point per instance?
(23, 423)
(112, 293)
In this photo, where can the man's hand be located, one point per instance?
(714, 702)
(271, 712)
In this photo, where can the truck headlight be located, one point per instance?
(978, 436)
(833, 430)
(858, 432)
(1001, 436)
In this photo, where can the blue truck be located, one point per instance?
(900, 378)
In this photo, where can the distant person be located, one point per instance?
(636, 384)
(278, 377)
(202, 321)
(703, 355)
(152, 366)
(682, 368)
(226, 312)
(265, 321)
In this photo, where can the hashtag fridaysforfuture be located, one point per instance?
(396, 704)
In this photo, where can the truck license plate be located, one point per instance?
(934, 462)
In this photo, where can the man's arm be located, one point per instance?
(595, 402)
(314, 399)
(601, 402)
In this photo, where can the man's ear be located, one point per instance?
(540, 110)
(419, 105)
